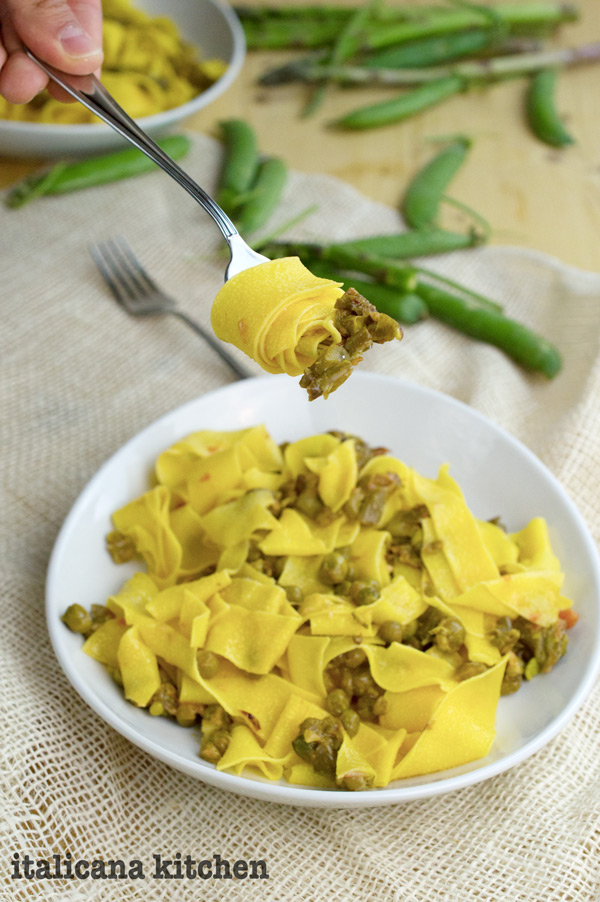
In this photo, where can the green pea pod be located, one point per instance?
(100, 170)
(272, 34)
(405, 245)
(516, 340)
(432, 51)
(405, 307)
(240, 163)
(264, 196)
(423, 196)
(542, 114)
(401, 107)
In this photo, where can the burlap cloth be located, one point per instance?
(79, 377)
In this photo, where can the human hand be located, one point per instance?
(67, 34)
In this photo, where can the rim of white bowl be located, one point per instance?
(265, 790)
(156, 121)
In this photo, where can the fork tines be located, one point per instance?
(124, 274)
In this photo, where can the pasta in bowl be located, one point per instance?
(282, 698)
(163, 63)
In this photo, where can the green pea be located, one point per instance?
(362, 683)
(449, 634)
(354, 658)
(380, 706)
(365, 591)
(221, 739)
(77, 619)
(469, 669)
(355, 781)
(504, 636)
(208, 664)
(295, 595)
(346, 681)
(333, 569)
(185, 715)
(350, 722)
(337, 702)
(216, 716)
(513, 675)
(166, 696)
(391, 631)
(209, 751)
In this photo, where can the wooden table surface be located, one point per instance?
(532, 195)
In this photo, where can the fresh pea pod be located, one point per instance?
(402, 106)
(542, 114)
(405, 307)
(264, 196)
(432, 51)
(100, 170)
(424, 194)
(530, 350)
(240, 164)
(405, 245)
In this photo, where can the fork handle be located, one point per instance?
(89, 91)
(216, 345)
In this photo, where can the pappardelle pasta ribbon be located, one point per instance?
(290, 321)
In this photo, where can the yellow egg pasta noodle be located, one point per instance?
(268, 310)
(290, 321)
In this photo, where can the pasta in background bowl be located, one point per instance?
(210, 27)
(497, 475)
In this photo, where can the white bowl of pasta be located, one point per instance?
(162, 72)
(498, 477)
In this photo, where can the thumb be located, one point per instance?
(66, 34)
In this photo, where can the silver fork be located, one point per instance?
(139, 294)
(94, 96)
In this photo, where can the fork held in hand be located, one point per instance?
(139, 294)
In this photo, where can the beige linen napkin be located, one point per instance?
(79, 377)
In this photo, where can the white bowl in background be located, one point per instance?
(499, 477)
(210, 25)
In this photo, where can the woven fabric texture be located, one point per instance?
(79, 377)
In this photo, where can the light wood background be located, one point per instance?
(533, 196)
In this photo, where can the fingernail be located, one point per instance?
(75, 41)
